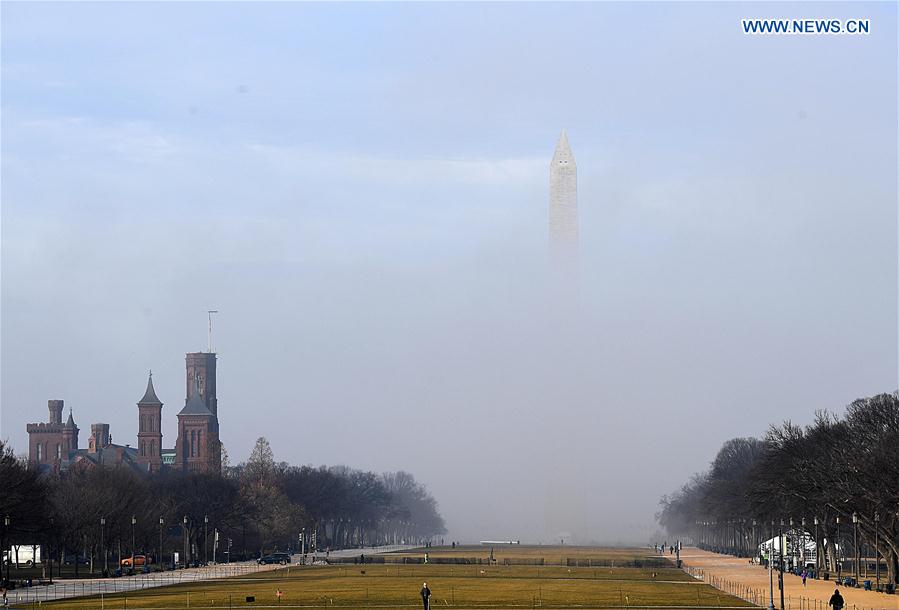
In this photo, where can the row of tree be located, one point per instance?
(106, 513)
(841, 472)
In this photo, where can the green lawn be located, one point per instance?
(459, 586)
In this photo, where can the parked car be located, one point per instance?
(281, 558)
(135, 560)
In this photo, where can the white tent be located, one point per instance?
(799, 548)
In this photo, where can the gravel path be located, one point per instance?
(741, 578)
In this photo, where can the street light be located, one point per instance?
(792, 535)
(817, 550)
(102, 545)
(755, 537)
(771, 568)
(855, 543)
(49, 550)
(877, 549)
(6, 544)
(184, 529)
(133, 523)
(743, 539)
(802, 549)
(161, 523)
(837, 551)
(205, 546)
(780, 576)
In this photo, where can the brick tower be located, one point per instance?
(149, 435)
(53, 441)
(100, 438)
(201, 374)
(198, 431)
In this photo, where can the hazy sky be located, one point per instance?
(362, 189)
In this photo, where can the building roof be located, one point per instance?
(195, 405)
(150, 395)
(70, 423)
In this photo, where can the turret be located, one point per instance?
(149, 431)
(55, 407)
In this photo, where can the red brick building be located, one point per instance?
(54, 444)
(52, 441)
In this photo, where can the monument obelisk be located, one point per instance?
(563, 218)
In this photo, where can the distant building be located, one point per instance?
(54, 445)
(563, 210)
(52, 441)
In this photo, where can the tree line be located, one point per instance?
(255, 507)
(836, 479)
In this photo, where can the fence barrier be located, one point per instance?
(106, 586)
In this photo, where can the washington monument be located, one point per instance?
(563, 222)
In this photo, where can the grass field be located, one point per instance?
(453, 586)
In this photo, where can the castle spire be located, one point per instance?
(70, 423)
(150, 397)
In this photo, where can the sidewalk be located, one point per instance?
(65, 589)
(749, 581)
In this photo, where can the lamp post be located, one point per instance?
(837, 551)
(133, 523)
(743, 539)
(791, 535)
(5, 545)
(855, 544)
(103, 545)
(771, 568)
(205, 546)
(877, 549)
(50, 550)
(817, 550)
(780, 576)
(802, 549)
(755, 538)
(184, 529)
(161, 524)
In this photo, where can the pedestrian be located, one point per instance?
(836, 600)
(425, 596)
(804, 576)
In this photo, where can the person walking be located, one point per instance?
(836, 600)
(804, 576)
(425, 596)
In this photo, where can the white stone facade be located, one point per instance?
(563, 216)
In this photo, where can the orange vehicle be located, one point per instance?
(136, 560)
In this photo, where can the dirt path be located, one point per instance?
(734, 575)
